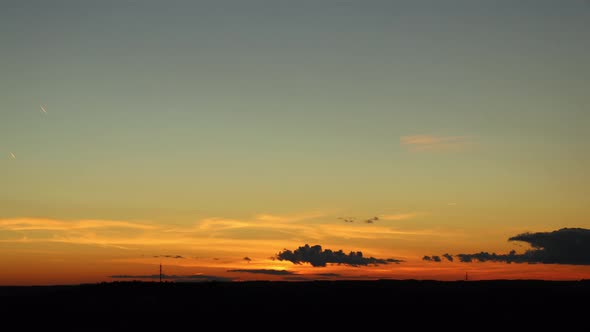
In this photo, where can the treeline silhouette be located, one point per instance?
(108, 306)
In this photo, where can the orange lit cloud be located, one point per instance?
(216, 245)
(289, 218)
(399, 216)
(257, 237)
(22, 224)
(431, 143)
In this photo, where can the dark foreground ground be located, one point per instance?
(297, 305)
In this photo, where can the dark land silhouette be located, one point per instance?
(135, 304)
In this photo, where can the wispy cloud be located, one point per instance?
(256, 237)
(372, 220)
(399, 216)
(264, 271)
(22, 224)
(200, 236)
(170, 256)
(287, 226)
(328, 274)
(289, 218)
(432, 143)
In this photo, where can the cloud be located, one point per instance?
(563, 246)
(288, 218)
(431, 143)
(328, 274)
(170, 256)
(213, 237)
(264, 271)
(371, 220)
(399, 216)
(448, 257)
(316, 256)
(23, 224)
(129, 235)
(247, 259)
(283, 226)
(393, 260)
(432, 259)
(389, 217)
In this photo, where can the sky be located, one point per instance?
(219, 138)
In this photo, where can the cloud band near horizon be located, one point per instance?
(563, 246)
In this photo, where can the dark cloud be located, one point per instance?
(431, 258)
(352, 219)
(247, 259)
(170, 256)
(180, 278)
(316, 256)
(264, 271)
(393, 260)
(484, 256)
(371, 220)
(563, 246)
(328, 274)
(448, 257)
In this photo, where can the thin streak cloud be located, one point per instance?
(23, 224)
(264, 271)
(289, 218)
(431, 143)
(214, 235)
(399, 216)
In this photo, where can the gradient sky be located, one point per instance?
(218, 130)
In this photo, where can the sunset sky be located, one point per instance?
(210, 136)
